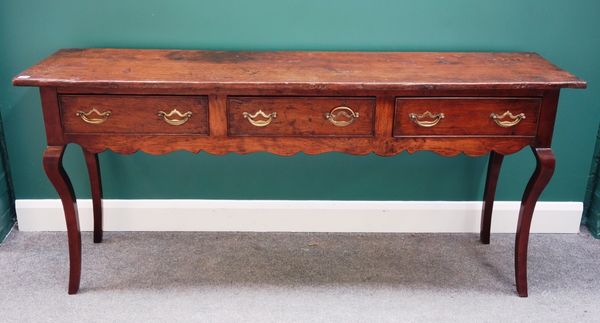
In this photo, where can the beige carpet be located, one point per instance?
(299, 277)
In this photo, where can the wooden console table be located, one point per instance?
(159, 101)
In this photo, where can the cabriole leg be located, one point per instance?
(537, 183)
(93, 168)
(58, 177)
(488, 195)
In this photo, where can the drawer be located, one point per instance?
(466, 116)
(134, 114)
(300, 116)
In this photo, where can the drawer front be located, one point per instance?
(134, 114)
(466, 116)
(300, 116)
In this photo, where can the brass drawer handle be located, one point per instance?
(514, 119)
(260, 123)
(416, 118)
(345, 112)
(180, 118)
(85, 116)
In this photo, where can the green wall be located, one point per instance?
(566, 32)
(7, 214)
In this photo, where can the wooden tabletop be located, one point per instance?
(201, 69)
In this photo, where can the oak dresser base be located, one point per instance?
(159, 101)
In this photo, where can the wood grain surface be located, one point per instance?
(200, 69)
(134, 113)
(466, 116)
(300, 116)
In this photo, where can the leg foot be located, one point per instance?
(488, 195)
(58, 177)
(93, 167)
(537, 183)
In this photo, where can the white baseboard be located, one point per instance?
(298, 216)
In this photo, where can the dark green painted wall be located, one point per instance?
(7, 214)
(6, 210)
(566, 32)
